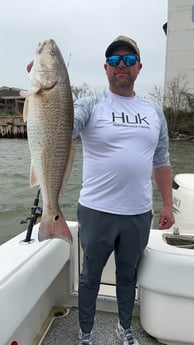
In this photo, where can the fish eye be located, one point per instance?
(52, 52)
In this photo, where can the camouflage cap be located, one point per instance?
(123, 41)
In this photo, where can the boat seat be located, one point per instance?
(27, 270)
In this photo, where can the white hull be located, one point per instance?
(29, 279)
(37, 277)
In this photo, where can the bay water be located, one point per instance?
(17, 198)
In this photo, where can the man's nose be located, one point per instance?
(121, 64)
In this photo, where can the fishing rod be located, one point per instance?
(36, 213)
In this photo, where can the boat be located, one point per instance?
(39, 285)
(39, 294)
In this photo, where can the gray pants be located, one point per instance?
(102, 233)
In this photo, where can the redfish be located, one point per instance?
(48, 110)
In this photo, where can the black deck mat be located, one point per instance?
(64, 330)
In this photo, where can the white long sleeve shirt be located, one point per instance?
(123, 138)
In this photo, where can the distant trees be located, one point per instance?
(176, 95)
(156, 94)
(176, 101)
(81, 91)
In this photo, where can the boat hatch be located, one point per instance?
(181, 241)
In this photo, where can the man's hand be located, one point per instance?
(166, 219)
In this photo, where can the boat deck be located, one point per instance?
(64, 330)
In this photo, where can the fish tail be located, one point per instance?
(54, 227)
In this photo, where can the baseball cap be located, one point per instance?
(123, 41)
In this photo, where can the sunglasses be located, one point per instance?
(129, 60)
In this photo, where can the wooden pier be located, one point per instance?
(12, 127)
(11, 109)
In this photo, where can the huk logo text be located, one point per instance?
(131, 120)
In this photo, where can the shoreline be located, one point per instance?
(13, 127)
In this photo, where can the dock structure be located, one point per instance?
(12, 127)
(11, 109)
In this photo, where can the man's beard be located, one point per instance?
(125, 83)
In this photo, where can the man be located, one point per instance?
(123, 138)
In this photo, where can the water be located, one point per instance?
(16, 197)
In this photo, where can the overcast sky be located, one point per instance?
(82, 29)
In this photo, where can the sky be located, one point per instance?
(82, 30)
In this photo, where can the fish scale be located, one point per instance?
(49, 113)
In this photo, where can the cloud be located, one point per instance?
(82, 30)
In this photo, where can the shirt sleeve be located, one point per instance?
(82, 111)
(161, 155)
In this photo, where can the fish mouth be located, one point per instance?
(42, 45)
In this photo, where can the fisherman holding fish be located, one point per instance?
(124, 139)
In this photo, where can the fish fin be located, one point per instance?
(34, 181)
(34, 90)
(68, 168)
(54, 227)
(24, 93)
(49, 84)
(25, 110)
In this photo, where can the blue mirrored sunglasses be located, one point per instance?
(129, 60)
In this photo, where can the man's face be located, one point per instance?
(122, 76)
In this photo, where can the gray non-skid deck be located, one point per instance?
(64, 330)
